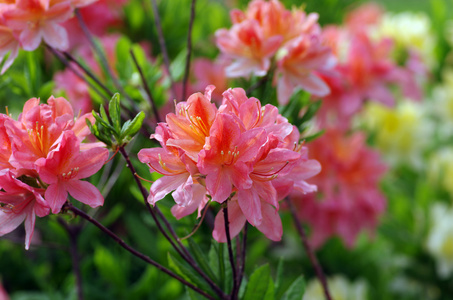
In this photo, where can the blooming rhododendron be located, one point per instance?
(230, 155)
(267, 31)
(42, 159)
(348, 183)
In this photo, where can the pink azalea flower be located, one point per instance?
(297, 68)
(38, 129)
(351, 200)
(226, 156)
(276, 20)
(98, 16)
(8, 44)
(364, 16)
(246, 43)
(63, 168)
(5, 144)
(191, 124)
(19, 202)
(40, 19)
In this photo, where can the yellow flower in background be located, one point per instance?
(410, 31)
(400, 132)
(440, 239)
(340, 288)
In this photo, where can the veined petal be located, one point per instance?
(56, 196)
(250, 204)
(85, 192)
(29, 226)
(165, 185)
(272, 224)
(219, 185)
(9, 221)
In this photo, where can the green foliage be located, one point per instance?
(108, 126)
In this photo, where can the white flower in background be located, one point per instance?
(340, 288)
(401, 133)
(440, 169)
(410, 30)
(440, 238)
(442, 104)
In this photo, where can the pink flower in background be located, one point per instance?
(37, 20)
(350, 200)
(297, 67)
(206, 72)
(246, 43)
(19, 202)
(3, 294)
(8, 44)
(364, 16)
(63, 168)
(75, 89)
(98, 16)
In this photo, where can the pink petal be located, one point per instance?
(165, 185)
(56, 196)
(55, 35)
(236, 219)
(272, 224)
(30, 38)
(29, 226)
(85, 192)
(219, 185)
(250, 204)
(9, 221)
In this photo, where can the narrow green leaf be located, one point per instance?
(114, 111)
(187, 272)
(258, 283)
(270, 293)
(103, 114)
(296, 290)
(202, 259)
(278, 280)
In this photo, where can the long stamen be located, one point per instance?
(272, 175)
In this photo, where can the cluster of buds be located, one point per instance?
(242, 154)
(267, 32)
(43, 160)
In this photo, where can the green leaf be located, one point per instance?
(114, 111)
(130, 128)
(202, 260)
(278, 280)
(108, 266)
(258, 283)
(186, 272)
(296, 290)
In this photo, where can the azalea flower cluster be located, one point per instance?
(268, 32)
(242, 154)
(351, 200)
(42, 160)
(367, 68)
(25, 23)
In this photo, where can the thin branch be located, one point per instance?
(257, 84)
(75, 71)
(189, 50)
(73, 233)
(138, 254)
(234, 292)
(181, 251)
(146, 86)
(243, 251)
(310, 253)
(162, 44)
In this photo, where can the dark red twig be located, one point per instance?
(182, 251)
(138, 254)
(189, 50)
(163, 47)
(146, 87)
(234, 292)
(310, 252)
